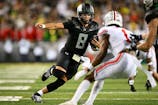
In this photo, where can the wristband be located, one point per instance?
(43, 26)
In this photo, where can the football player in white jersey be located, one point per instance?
(124, 64)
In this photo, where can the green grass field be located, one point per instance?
(18, 81)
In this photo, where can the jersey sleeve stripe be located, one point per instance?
(126, 36)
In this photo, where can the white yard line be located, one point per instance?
(10, 98)
(15, 87)
(18, 76)
(24, 73)
(69, 93)
(17, 81)
(145, 92)
(101, 99)
(18, 98)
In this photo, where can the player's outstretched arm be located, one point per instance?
(49, 25)
(150, 38)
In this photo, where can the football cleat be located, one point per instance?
(36, 98)
(132, 88)
(148, 85)
(68, 103)
(48, 73)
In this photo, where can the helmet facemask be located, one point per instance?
(85, 9)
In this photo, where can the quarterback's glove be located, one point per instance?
(86, 65)
(86, 62)
(80, 74)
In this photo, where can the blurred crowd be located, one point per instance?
(21, 41)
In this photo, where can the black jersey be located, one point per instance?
(79, 36)
(151, 9)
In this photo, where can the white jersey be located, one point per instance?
(119, 38)
(122, 64)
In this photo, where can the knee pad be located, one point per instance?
(58, 73)
(55, 85)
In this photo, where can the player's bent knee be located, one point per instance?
(59, 72)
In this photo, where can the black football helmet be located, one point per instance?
(85, 8)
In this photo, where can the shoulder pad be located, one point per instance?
(102, 31)
(94, 25)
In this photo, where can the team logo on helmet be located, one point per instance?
(148, 3)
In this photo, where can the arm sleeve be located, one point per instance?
(67, 24)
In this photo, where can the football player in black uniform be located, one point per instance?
(151, 17)
(82, 30)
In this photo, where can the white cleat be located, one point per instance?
(36, 98)
(68, 103)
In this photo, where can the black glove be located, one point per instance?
(136, 38)
(133, 46)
